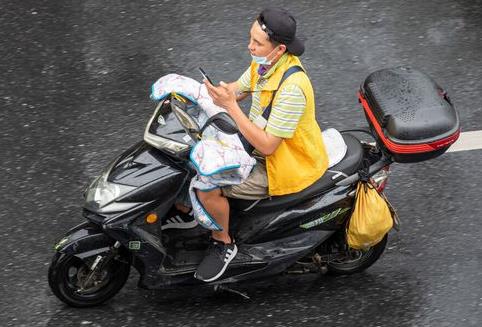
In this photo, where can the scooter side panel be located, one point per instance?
(278, 254)
(326, 212)
(252, 261)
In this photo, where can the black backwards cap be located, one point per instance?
(280, 26)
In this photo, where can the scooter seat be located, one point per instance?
(349, 165)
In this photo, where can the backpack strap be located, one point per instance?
(288, 73)
(267, 111)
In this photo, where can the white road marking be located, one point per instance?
(467, 141)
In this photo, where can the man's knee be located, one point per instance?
(205, 197)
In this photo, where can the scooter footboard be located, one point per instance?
(276, 255)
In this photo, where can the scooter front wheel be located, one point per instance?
(72, 281)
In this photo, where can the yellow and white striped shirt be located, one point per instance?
(286, 110)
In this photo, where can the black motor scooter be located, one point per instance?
(128, 207)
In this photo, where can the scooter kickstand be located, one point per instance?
(220, 287)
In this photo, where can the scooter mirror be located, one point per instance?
(189, 124)
(223, 122)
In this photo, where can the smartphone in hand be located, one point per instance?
(206, 76)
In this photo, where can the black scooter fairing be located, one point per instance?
(158, 179)
(155, 174)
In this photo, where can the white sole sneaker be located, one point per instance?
(177, 222)
(227, 260)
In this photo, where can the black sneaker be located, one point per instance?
(217, 259)
(180, 221)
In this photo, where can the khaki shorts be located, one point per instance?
(255, 187)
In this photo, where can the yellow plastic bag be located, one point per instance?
(371, 218)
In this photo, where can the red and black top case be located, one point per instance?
(411, 116)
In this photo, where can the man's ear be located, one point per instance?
(282, 47)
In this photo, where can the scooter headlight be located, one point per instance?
(102, 192)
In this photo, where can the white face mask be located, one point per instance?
(263, 60)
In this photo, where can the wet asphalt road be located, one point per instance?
(75, 78)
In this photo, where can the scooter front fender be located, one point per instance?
(84, 241)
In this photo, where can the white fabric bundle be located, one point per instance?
(187, 87)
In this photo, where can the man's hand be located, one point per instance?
(222, 95)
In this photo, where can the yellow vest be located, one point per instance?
(301, 160)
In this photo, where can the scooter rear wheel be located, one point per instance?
(357, 261)
(67, 274)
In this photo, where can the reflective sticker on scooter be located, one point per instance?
(134, 245)
(60, 243)
(324, 218)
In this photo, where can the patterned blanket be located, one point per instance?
(219, 158)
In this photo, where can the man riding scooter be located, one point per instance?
(281, 128)
(301, 227)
